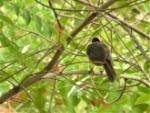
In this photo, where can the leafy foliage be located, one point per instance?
(29, 37)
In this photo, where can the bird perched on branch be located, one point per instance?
(99, 54)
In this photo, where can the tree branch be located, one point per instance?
(98, 73)
(37, 76)
(119, 20)
(129, 26)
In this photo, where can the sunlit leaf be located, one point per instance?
(143, 99)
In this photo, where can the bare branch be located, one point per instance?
(129, 26)
(98, 73)
(120, 21)
(136, 78)
(139, 46)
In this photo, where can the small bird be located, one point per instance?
(99, 54)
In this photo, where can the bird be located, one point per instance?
(99, 54)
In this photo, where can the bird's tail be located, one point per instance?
(110, 71)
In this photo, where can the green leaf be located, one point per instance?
(9, 32)
(140, 108)
(1, 24)
(39, 100)
(30, 62)
(72, 94)
(7, 20)
(27, 17)
(147, 7)
(48, 29)
(70, 105)
(144, 89)
(1, 2)
(4, 40)
(16, 8)
(4, 88)
(14, 50)
(147, 65)
(143, 99)
(16, 53)
(38, 23)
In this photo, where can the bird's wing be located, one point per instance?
(108, 53)
(96, 52)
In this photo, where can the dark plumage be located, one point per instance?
(99, 54)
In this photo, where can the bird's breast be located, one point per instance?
(96, 53)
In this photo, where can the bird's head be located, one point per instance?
(95, 39)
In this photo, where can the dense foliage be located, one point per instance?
(33, 31)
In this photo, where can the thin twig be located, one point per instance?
(121, 94)
(37, 76)
(56, 16)
(119, 21)
(136, 41)
(129, 26)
